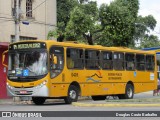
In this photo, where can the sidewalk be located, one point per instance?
(145, 99)
(6, 101)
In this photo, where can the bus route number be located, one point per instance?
(74, 74)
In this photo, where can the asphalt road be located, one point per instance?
(59, 105)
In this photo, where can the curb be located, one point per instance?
(114, 105)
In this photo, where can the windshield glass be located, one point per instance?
(25, 64)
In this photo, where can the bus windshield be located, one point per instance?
(23, 64)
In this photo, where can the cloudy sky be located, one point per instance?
(147, 7)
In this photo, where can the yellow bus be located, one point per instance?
(47, 69)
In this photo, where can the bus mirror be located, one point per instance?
(3, 58)
(55, 59)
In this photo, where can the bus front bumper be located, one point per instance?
(37, 91)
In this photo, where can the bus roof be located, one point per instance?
(79, 45)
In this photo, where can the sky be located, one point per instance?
(147, 7)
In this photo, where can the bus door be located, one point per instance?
(158, 67)
(56, 60)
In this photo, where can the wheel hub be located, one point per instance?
(129, 92)
(72, 94)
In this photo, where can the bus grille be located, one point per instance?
(25, 87)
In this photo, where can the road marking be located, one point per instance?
(114, 105)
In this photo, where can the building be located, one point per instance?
(41, 15)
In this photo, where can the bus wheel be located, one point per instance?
(129, 92)
(72, 95)
(95, 98)
(38, 100)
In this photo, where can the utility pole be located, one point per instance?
(17, 21)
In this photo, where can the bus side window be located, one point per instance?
(75, 58)
(150, 62)
(107, 63)
(118, 61)
(130, 61)
(92, 59)
(140, 62)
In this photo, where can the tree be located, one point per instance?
(82, 22)
(150, 41)
(117, 24)
(117, 21)
(143, 26)
(64, 7)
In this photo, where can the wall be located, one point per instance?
(44, 19)
(3, 73)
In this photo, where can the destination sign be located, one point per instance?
(27, 46)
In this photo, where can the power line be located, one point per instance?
(34, 8)
(42, 23)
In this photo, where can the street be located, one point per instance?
(59, 105)
(59, 108)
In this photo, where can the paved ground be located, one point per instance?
(141, 98)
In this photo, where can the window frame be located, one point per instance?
(80, 50)
(133, 68)
(152, 62)
(29, 7)
(117, 61)
(104, 61)
(138, 62)
(91, 59)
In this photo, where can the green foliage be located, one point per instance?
(64, 7)
(118, 21)
(143, 26)
(82, 19)
(117, 24)
(150, 41)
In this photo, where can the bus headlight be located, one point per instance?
(9, 86)
(42, 84)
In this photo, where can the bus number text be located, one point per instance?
(74, 74)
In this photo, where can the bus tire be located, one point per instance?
(96, 98)
(38, 100)
(72, 95)
(129, 92)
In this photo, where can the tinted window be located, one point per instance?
(130, 61)
(140, 62)
(118, 61)
(75, 58)
(150, 62)
(92, 59)
(107, 60)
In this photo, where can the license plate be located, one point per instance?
(23, 92)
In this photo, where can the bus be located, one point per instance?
(46, 69)
(157, 51)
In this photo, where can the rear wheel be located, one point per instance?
(129, 92)
(72, 95)
(38, 100)
(95, 98)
